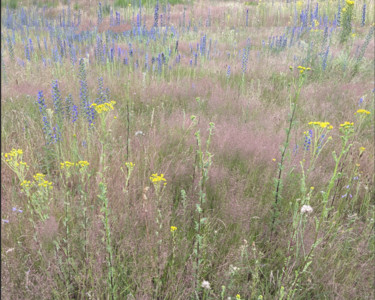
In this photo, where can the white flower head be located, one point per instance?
(306, 209)
(233, 269)
(139, 132)
(206, 285)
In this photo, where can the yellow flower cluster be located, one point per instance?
(26, 183)
(350, 3)
(13, 154)
(322, 124)
(39, 178)
(130, 165)
(82, 163)
(303, 69)
(347, 125)
(173, 228)
(66, 164)
(362, 111)
(103, 107)
(155, 178)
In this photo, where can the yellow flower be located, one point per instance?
(173, 228)
(39, 176)
(107, 106)
(273, 159)
(13, 153)
(82, 163)
(156, 179)
(26, 183)
(129, 165)
(312, 188)
(322, 124)
(347, 125)
(303, 69)
(238, 297)
(350, 3)
(361, 150)
(66, 164)
(362, 111)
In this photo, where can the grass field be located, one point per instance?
(187, 150)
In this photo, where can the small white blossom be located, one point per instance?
(233, 269)
(306, 209)
(206, 285)
(139, 132)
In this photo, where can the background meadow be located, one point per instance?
(187, 149)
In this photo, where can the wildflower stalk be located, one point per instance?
(82, 213)
(128, 123)
(103, 197)
(159, 182)
(278, 180)
(255, 281)
(129, 167)
(66, 265)
(204, 161)
(344, 149)
(336, 188)
(127, 129)
(296, 241)
(346, 23)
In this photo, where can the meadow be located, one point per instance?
(187, 149)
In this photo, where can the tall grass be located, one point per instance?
(116, 184)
